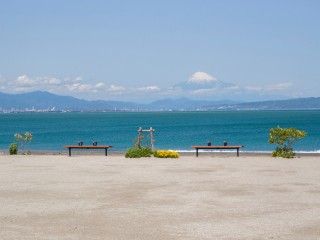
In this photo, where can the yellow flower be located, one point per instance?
(166, 154)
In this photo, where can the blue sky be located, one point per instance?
(146, 50)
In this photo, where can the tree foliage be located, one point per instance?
(23, 139)
(285, 138)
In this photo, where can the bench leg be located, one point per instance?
(237, 152)
(106, 152)
(197, 152)
(69, 152)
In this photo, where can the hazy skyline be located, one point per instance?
(146, 50)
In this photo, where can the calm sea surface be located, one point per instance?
(174, 130)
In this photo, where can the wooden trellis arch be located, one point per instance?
(140, 136)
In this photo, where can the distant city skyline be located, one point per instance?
(147, 50)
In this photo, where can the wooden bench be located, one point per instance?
(88, 147)
(216, 147)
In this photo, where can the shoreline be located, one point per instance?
(182, 153)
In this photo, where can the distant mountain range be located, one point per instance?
(311, 103)
(186, 104)
(51, 102)
(46, 100)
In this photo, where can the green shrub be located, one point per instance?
(284, 138)
(166, 154)
(283, 152)
(136, 152)
(13, 149)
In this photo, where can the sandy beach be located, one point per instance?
(210, 197)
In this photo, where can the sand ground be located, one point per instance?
(210, 197)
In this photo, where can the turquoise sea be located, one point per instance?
(174, 130)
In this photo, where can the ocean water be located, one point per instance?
(174, 130)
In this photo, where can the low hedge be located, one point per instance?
(136, 152)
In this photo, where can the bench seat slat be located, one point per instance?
(105, 147)
(237, 147)
(88, 146)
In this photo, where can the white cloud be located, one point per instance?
(25, 81)
(78, 79)
(279, 86)
(115, 88)
(50, 81)
(100, 85)
(204, 91)
(76, 86)
(79, 87)
(149, 89)
(201, 77)
(253, 88)
(269, 88)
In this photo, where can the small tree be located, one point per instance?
(13, 149)
(23, 139)
(284, 138)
